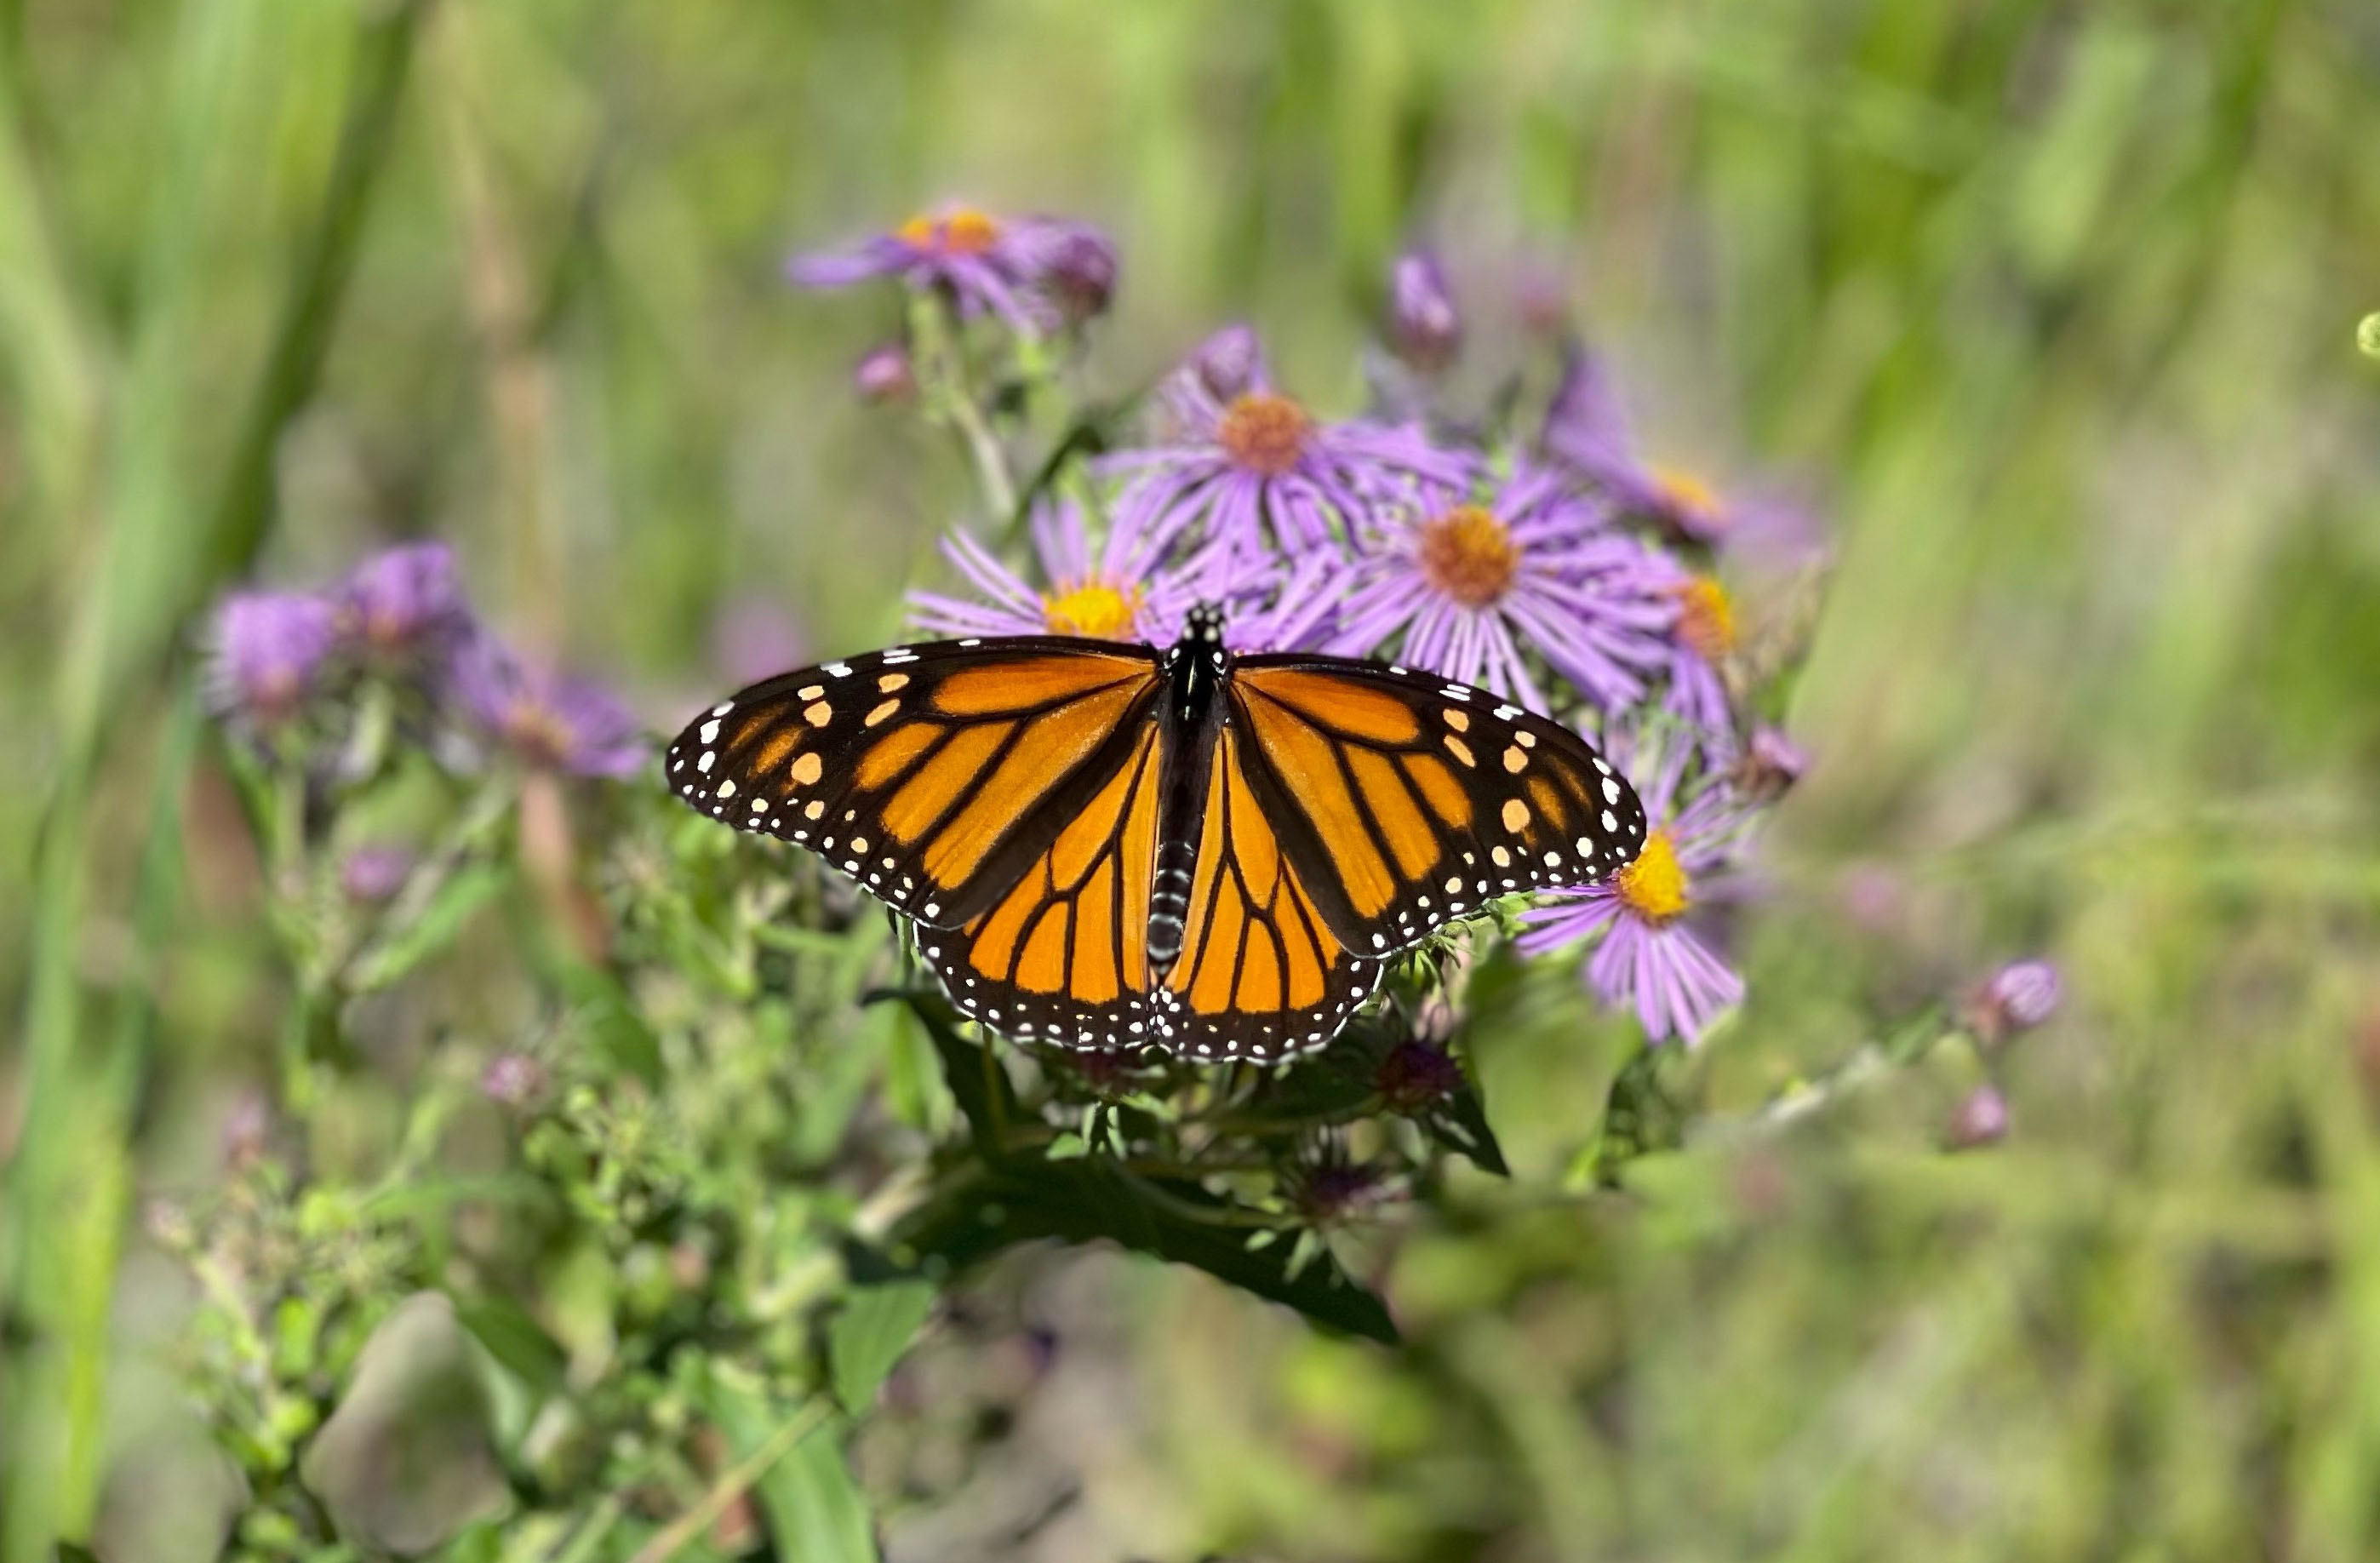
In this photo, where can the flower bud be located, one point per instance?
(246, 1129)
(1229, 363)
(2017, 997)
(1771, 763)
(1416, 1075)
(373, 874)
(1337, 1191)
(1425, 329)
(1081, 273)
(883, 375)
(1541, 296)
(1981, 1120)
(513, 1080)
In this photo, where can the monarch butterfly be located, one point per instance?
(1109, 846)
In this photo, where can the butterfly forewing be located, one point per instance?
(1407, 801)
(931, 775)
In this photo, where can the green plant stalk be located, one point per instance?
(733, 1483)
(948, 395)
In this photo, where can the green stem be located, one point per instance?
(990, 463)
(733, 1483)
(948, 396)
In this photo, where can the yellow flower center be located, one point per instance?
(1653, 886)
(1096, 608)
(1469, 556)
(1705, 619)
(961, 231)
(1686, 491)
(1265, 433)
(538, 731)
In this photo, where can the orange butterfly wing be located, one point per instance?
(1406, 802)
(934, 776)
(1261, 975)
(1062, 955)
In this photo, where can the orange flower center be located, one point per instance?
(1263, 434)
(1686, 491)
(1469, 556)
(961, 231)
(1096, 608)
(1653, 886)
(1705, 619)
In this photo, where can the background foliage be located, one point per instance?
(2057, 301)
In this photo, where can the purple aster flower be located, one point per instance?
(984, 262)
(1586, 429)
(1257, 467)
(1461, 589)
(884, 374)
(1702, 638)
(375, 872)
(1650, 958)
(269, 649)
(1425, 328)
(1116, 589)
(403, 600)
(550, 719)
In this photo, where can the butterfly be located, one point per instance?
(1110, 846)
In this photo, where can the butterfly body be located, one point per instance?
(1107, 846)
(1195, 668)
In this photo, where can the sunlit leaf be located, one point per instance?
(870, 1334)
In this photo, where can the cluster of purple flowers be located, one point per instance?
(402, 614)
(1553, 564)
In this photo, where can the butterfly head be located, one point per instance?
(1203, 627)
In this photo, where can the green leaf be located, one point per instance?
(515, 1340)
(869, 1335)
(439, 923)
(815, 1511)
(611, 1020)
(972, 1069)
(1091, 1199)
(1460, 1124)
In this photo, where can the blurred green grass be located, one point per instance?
(2057, 304)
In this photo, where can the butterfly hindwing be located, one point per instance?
(1407, 801)
(931, 775)
(1062, 955)
(1261, 975)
